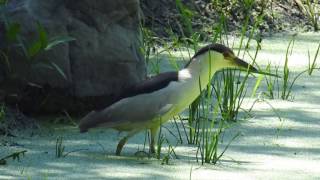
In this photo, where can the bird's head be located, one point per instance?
(219, 57)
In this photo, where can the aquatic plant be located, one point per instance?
(60, 148)
(14, 156)
(312, 65)
(31, 49)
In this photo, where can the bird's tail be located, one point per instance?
(89, 121)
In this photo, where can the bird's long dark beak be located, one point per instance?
(241, 63)
(245, 66)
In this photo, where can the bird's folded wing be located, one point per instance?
(129, 112)
(165, 109)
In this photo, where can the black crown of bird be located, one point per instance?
(156, 100)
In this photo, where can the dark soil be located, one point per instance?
(279, 16)
(12, 121)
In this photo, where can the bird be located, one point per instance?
(154, 101)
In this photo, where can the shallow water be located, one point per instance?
(273, 50)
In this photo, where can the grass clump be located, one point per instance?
(286, 87)
(282, 87)
(273, 87)
(311, 9)
(16, 42)
(170, 154)
(210, 128)
(3, 122)
(14, 156)
(229, 92)
(2, 112)
(60, 148)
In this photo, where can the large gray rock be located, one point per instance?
(104, 59)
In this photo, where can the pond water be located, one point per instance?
(273, 50)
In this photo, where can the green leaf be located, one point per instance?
(34, 49)
(51, 66)
(12, 32)
(58, 40)
(6, 59)
(42, 65)
(257, 85)
(59, 70)
(184, 10)
(41, 42)
(43, 39)
(3, 2)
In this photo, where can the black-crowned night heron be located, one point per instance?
(154, 101)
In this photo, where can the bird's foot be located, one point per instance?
(141, 154)
(152, 150)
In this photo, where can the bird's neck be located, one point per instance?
(201, 70)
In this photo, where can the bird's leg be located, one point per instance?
(153, 132)
(123, 141)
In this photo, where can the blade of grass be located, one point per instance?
(313, 65)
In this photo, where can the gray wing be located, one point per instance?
(149, 85)
(136, 105)
(131, 112)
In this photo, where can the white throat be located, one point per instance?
(202, 68)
